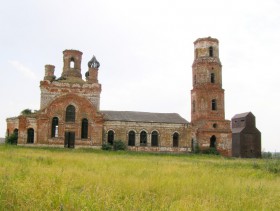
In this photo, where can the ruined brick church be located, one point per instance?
(70, 114)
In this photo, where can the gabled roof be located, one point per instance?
(136, 116)
(240, 115)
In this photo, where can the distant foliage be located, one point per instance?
(26, 111)
(266, 155)
(11, 139)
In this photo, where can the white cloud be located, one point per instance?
(26, 71)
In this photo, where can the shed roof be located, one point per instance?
(136, 116)
(241, 115)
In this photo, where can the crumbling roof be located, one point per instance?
(240, 115)
(136, 116)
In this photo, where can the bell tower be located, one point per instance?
(207, 98)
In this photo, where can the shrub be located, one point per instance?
(211, 151)
(106, 146)
(119, 145)
(11, 139)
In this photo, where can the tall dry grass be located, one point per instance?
(61, 179)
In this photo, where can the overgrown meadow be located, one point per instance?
(87, 179)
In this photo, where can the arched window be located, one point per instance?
(54, 127)
(211, 53)
(131, 138)
(30, 136)
(154, 139)
(70, 113)
(84, 133)
(213, 142)
(110, 138)
(212, 78)
(214, 105)
(175, 140)
(143, 138)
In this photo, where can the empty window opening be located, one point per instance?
(131, 138)
(211, 51)
(143, 138)
(175, 140)
(70, 113)
(154, 139)
(110, 138)
(84, 133)
(213, 142)
(30, 136)
(72, 63)
(54, 127)
(212, 78)
(214, 105)
(215, 125)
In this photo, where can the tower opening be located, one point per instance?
(211, 51)
(193, 106)
(212, 76)
(214, 105)
(72, 63)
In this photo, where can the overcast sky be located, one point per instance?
(145, 49)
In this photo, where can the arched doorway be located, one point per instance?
(30, 136)
(213, 142)
(175, 140)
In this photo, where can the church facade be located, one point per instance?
(70, 114)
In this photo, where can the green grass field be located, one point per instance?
(86, 179)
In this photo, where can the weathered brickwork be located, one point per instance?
(211, 130)
(51, 125)
(165, 135)
(70, 114)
